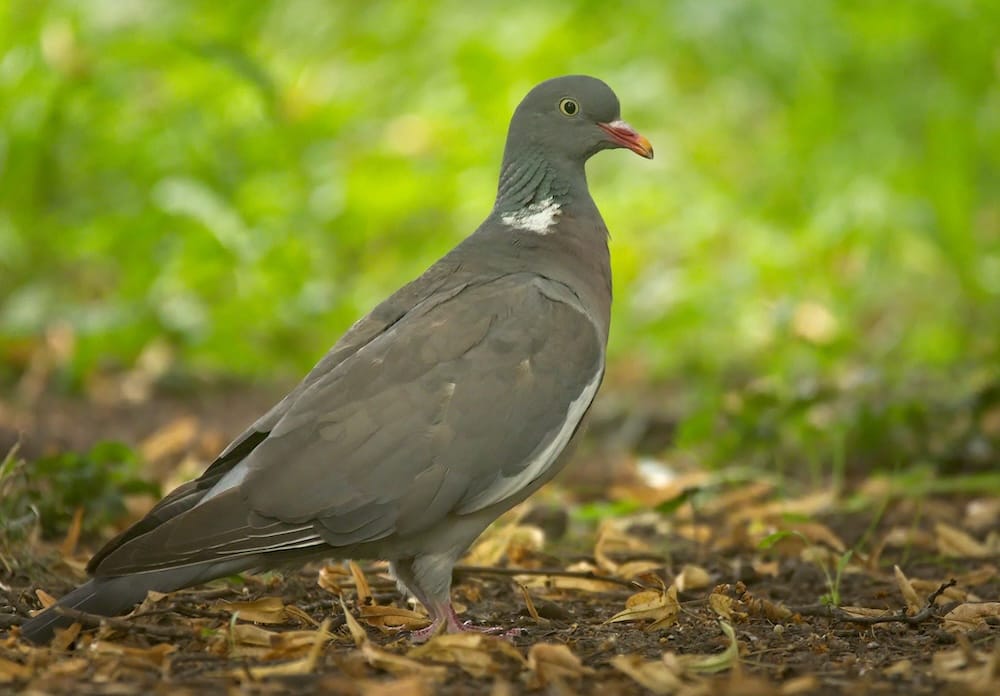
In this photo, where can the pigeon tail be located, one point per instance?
(112, 596)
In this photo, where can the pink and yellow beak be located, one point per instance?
(625, 135)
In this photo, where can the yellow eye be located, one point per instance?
(569, 106)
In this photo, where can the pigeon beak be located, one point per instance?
(624, 135)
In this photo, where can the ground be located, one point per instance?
(707, 582)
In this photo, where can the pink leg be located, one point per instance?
(445, 614)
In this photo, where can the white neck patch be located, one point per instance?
(539, 218)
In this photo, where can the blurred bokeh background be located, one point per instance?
(808, 274)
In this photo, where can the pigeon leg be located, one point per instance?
(410, 572)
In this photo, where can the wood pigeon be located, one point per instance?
(452, 401)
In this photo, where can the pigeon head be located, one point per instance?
(555, 129)
(573, 117)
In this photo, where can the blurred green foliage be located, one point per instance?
(49, 490)
(244, 179)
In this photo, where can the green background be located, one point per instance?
(810, 265)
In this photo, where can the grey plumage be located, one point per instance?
(453, 400)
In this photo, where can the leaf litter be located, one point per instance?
(731, 591)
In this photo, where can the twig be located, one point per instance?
(581, 574)
(95, 620)
(838, 614)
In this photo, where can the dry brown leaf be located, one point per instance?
(361, 585)
(950, 594)
(66, 667)
(659, 606)
(399, 664)
(913, 602)
(305, 665)
(633, 569)
(293, 612)
(562, 582)
(13, 671)
(867, 612)
(45, 598)
(249, 634)
(766, 568)
(819, 533)
(355, 629)
(64, 637)
(68, 546)
(331, 576)
(902, 668)
(529, 603)
(474, 653)
(266, 610)
(612, 537)
(692, 577)
(170, 440)
(404, 686)
(969, 617)
(550, 662)
(978, 576)
(955, 543)
(510, 541)
(724, 606)
(983, 513)
(655, 675)
(806, 684)
(698, 533)
(978, 670)
(808, 505)
(391, 618)
(738, 498)
(155, 655)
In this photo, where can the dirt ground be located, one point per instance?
(712, 584)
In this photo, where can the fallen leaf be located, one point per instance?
(170, 440)
(692, 577)
(357, 633)
(902, 668)
(551, 663)
(654, 675)
(68, 546)
(611, 537)
(474, 653)
(723, 605)
(12, 671)
(64, 637)
(266, 610)
(977, 670)
(913, 602)
(659, 606)
(400, 665)
(155, 655)
(957, 544)
(361, 585)
(393, 618)
(712, 664)
(510, 541)
(969, 617)
(530, 605)
(404, 686)
(806, 684)
(330, 577)
(305, 665)
(45, 598)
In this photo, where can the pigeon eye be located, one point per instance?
(569, 106)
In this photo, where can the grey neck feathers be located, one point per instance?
(528, 178)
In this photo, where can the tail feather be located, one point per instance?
(104, 596)
(111, 596)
